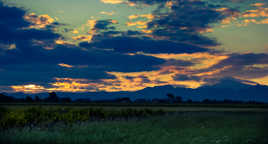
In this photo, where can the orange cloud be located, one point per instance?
(258, 4)
(131, 17)
(251, 16)
(63, 42)
(262, 80)
(92, 31)
(87, 38)
(75, 31)
(207, 30)
(150, 17)
(8, 46)
(30, 88)
(201, 60)
(65, 65)
(71, 85)
(169, 4)
(112, 1)
(132, 4)
(213, 72)
(141, 24)
(40, 21)
(134, 81)
(107, 13)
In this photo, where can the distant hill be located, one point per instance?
(231, 89)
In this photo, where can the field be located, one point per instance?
(56, 124)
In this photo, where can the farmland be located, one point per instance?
(134, 124)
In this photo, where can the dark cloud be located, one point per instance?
(186, 78)
(184, 20)
(30, 62)
(14, 28)
(174, 31)
(126, 44)
(243, 66)
(104, 24)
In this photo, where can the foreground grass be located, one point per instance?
(180, 128)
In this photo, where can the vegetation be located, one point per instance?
(170, 99)
(38, 115)
(55, 120)
(180, 128)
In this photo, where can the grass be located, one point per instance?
(181, 127)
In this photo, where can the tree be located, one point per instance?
(4, 98)
(178, 99)
(189, 101)
(171, 97)
(29, 99)
(123, 99)
(52, 97)
(37, 99)
(66, 99)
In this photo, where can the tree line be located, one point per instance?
(170, 99)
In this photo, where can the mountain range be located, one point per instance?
(231, 89)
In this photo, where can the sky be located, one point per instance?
(129, 45)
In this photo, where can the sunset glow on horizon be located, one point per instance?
(130, 45)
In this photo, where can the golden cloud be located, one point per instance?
(65, 65)
(169, 4)
(262, 80)
(8, 46)
(201, 60)
(135, 81)
(63, 42)
(71, 85)
(82, 38)
(143, 25)
(30, 88)
(207, 30)
(40, 21)
(112, 1)
(258, 15)
(107, 13)
(258, 4)
(75, 31)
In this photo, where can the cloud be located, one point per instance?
(36, 56)
(256, 14)
(65, 65)
(112, 1)
(184, 21)
(40, 21)
(258, 4)
(30, 88)
(166, 48)
(13, 26)
(244, 66)
(199, 60)
(126, 44)
(107, 13)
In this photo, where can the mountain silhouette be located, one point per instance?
(228, 88)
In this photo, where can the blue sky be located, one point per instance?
(129, 45)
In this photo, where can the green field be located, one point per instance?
(50, 124)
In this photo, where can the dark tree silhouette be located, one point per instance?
(65, 99)
(171, 97)
(52, 97)
(123, 99)
(189, 101)
(37, 99)
(178, 99)
(4, 98)
(29, 99)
